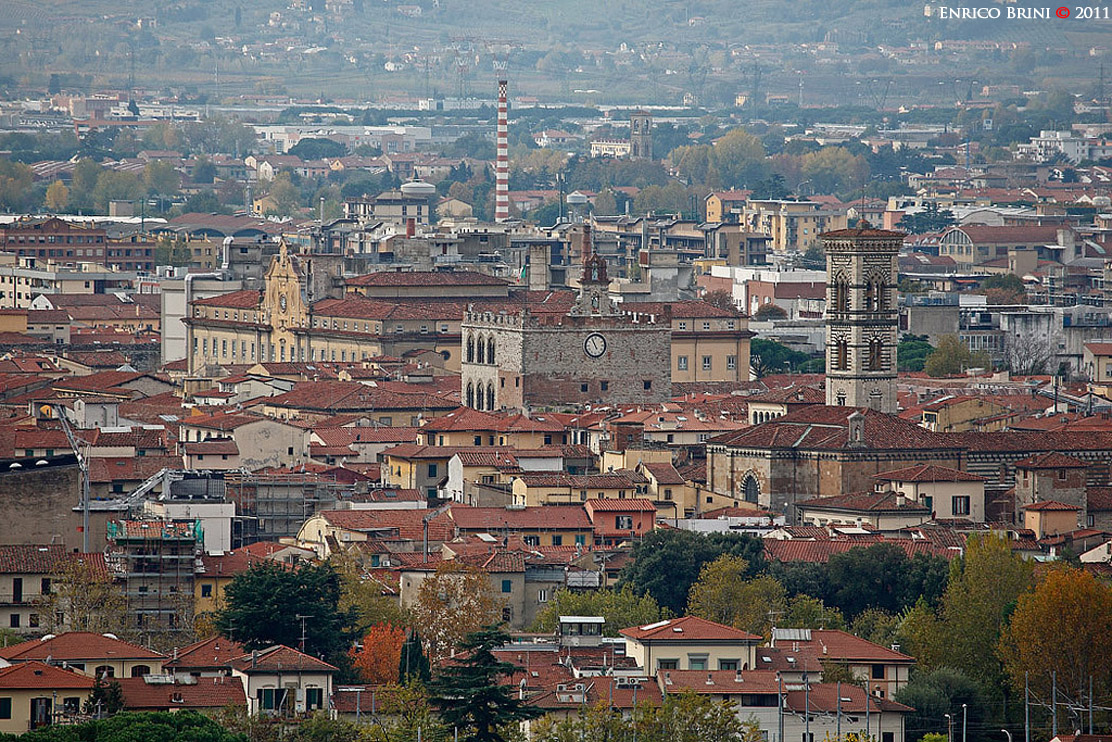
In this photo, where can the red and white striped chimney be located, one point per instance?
(502, 165)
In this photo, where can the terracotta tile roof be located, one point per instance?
(77, 646)
(44, 559)
(279, 658)
(393, 494)
(545, 517)
(223, 422)
(1100, 348)
(152, 529)
(1033, 234)
(349, 396)
(207, 654)
(407, 523)
(100, 381)
(246, 299)
(130, 468)
(358, 435)
(720, 682)
(688, 628)
(467, 419)
(819, 552)
(927, 473)
(822, 427)
(626, 505)
(843, 646)
(1049, 506)
(1052, 460)
(40, 676)
(577, 481)
(872, 502)
(680, 309)
(426, 278)
(201, 693)
(602, 689)
(791, 394)
(1028, 442)
(664, 473)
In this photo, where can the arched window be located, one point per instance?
(105, 671)
(841, 293)
(876, 355)
(481, 351)
(470, 394)
(490, 396)
(139, 671)
(470, 349)
(490, 351)
(750, 488)
(875, 299)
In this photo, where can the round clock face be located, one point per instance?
(282, 302)
(594, 345)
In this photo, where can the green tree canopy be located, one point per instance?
(183, 726)
(621, 608)
(263, 605)
(471, 694)
(912, 352)
(317, 149)
(952, 357)
(665, 564)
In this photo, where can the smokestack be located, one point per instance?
(502, 165)
(410, 228)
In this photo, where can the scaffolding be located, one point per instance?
(282, 502)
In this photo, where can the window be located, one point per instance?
(432, 470)
(580, 539)
(961, 505)
(5, 708)
(681, 363)
(532, 540)
(542, 596)
(557, 540)
(706, 325)
(727, 665)
(139, 671)
(731, 363)
(696, 662)
(668, 493)
(13, 620)
(105, 671)
(314, 698)
(876, 355)
(265, 697)
(33, 620)
(507, 586)
(877, 672)
(604, 386)
(647, 384)
(583, 387)
(206, 590)
(706, 363)
(666, 664)
(45, 586)
(683, 325)
(1061, 474)
(623, 522)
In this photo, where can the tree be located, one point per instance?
(57, 197)
(204, 172)
(160, 177)
(878, 626)
(665, 564)
(187, 726)
(980, 594)
(722, 594)
(287, 199)
(720, 298)
(362, 594)
(81, 598)
(881, 576)
(933, 694)
(912, 352)
(317, 149)
(106, 699)
(453, 602)
(15, 185)
(770, 357)
(835, 170)
(930, 219)
(769, 312)
(172, 251)
(807, 612)
(950, 358)
(413, 663)
(1061, 627)
(85, 175)
(263, 605)
(739, 158)
(470, 694)
(115, 186)
(605, 204)
(620, 608)
(378, 658)
(1004, 289)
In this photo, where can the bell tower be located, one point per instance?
(861, 317)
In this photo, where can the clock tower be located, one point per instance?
(536, 358)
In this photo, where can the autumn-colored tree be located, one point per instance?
(982, 589)
(739, 158)
(451, 603)
(1061, 627)
(81, 598)
(57, 197)
(377, 660)
(722, 594)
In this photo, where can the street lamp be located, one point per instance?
(949, 728)
(1009, 734)
(963, 720)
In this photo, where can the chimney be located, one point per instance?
(537, 274)
(410, 228)
(502, 161)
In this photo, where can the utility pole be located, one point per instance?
(1026, 708)
(806, 709)
(303, 619)
(964, 717)
(839, 709)
(1054, 701)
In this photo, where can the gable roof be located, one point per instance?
(279, 658)
(40, 676)
(874, 502)
(1050, 506)
(544, 517)
(202, 693)
(927, 473)
(77, 646)
(207, 654)
(823, 427)
(426, 278)
(1052, 460)
(688, 628)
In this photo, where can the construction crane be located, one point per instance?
(82, 463)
